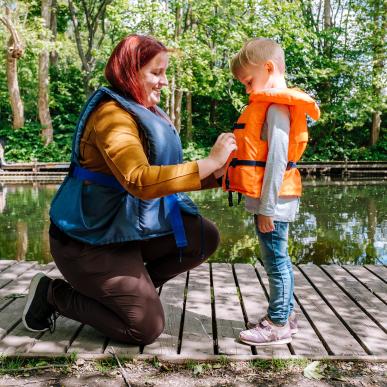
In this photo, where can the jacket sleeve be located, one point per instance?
(118, 140)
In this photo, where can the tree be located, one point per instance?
(379, 33)
(44, 61)
(15, 50)
(91, 15)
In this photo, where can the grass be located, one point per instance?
(16, 365)
(278, 364)
(106, 365)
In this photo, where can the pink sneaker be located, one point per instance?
(293, 322)
(266, 333)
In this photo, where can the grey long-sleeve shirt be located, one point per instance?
(276, 132)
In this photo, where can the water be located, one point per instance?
(336, 224)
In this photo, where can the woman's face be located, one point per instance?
(154, 78)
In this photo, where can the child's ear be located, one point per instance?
(269, 66)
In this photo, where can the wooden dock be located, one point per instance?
(56, 172)
(342, 312)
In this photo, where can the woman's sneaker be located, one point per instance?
(266, 333)
(38, 314)
(293, 322)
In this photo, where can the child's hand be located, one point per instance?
(265, 223)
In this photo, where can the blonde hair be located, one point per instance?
(256, 51)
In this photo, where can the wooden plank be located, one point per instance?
(327, 325)
(19, 339)
(172, 298)
(228, 311)
(255, 303)
(4, 263)
(123, 349)
(369, 280)
(20, 285)
(306, 341)
(197, 335)
(356, 291)
(89, 340)
(58, 341)
(372, 337)
(378, 270)
(13, 271)
(11, 316)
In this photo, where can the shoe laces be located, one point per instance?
(52, 321)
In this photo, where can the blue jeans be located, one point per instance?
(278, 266)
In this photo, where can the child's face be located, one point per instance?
(256, 77)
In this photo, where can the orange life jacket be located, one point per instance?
(246, 165)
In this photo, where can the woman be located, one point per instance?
(120, 224)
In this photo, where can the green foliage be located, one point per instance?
(277, 364)
(334, 64)
(106, 365)
(194, 152)
(344, 146)
(25, 144)
(21, 365)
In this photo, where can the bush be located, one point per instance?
(25, 144)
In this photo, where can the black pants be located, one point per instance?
(110, 288)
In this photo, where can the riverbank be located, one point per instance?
(193, 374)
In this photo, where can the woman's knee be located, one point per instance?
(145, 326)
(211, 238)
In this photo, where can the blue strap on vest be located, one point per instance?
(172, 207)
(95, 177)
(174, 216)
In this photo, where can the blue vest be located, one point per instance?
(101, 214)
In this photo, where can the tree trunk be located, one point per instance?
(178, 100)
(378, 45)
(54, 31)
(375, 127)
(2, 151)
(43, 99)
(327, 14)
(189, 116)
(172, 100)
(3, 198)
(14, 52)
(14, 91)
(167, 104)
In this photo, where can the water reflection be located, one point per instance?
(346, 224)
(24, 221)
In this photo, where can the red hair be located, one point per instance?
(125, 62)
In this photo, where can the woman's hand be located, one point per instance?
(220, 172)
(218, 156)
(265, 223)
(224, 145)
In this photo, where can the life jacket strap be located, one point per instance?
(230, 202)
(254, 163)
(95, 177)
(176, 220)
(172, 207)
(251, 163)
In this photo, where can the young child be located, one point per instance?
(271, 135)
